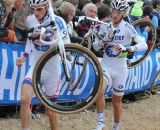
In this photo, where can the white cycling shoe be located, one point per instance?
(115, 127)
(100, 126)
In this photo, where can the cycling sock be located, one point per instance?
(101, 117)
(115, 126)
(26, 129)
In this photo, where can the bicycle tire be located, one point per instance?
(154, 88)
(85, 103)
(145, 22)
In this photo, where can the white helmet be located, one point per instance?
(119, 5)
(38, 2)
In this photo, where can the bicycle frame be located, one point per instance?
(95, 23)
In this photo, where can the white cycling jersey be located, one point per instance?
(40, 49)
(124, 35)
(52, 70)
(115, 66)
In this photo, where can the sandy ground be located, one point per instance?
(143, 114)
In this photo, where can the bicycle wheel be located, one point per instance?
(83, 96)
(140, 25)
(155, 86)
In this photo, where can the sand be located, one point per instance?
(143, 114)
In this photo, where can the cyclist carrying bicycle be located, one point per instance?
(114, 62)
(43, 14)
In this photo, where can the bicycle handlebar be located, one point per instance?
(42, 32)
(31, 30)
(92, 19)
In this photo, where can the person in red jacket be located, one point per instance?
(6, 34)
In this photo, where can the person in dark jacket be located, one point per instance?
(89, 10)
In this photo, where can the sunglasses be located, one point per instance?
(40, 9)
(114, 11)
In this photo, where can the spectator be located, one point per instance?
(3, 13)
(89, 10)
(104, 14)
(82, 3)
(136, 11)
(67, 12)
(6, 34)
(156, 5)
(78, 11)
(148, 13)
(96, 1)
(107, 2)
(156, 11)
(57, 4)
(74, 2)
(22, 10)
(147, 2)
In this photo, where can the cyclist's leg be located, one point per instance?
(117, 110)
(25, 111)
(51, 78)
(26, 96)
(118, 92)
(52, 119)
(100, 102)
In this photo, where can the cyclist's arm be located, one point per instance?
(28, 49)
(20, 60)
(155, 21)
(30, 22)
(61, 24)
(141, 44)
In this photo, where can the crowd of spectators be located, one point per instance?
(15, 13)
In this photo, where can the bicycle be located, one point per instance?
(132, 60)
(82, 59)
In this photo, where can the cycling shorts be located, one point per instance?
(50, 77)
